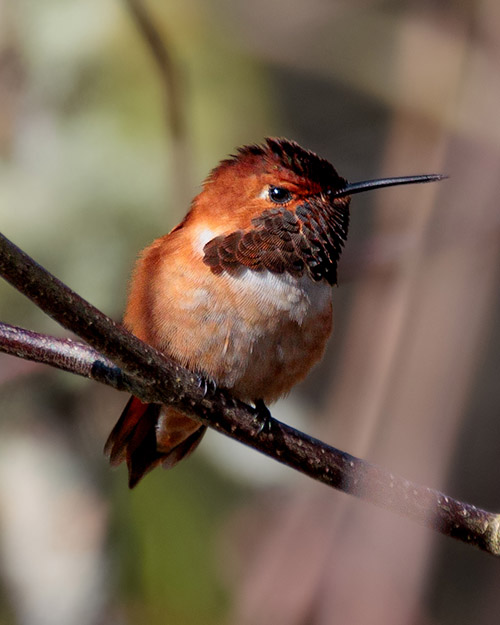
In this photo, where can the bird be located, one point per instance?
(240, 291)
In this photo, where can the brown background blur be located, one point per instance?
(92, 169)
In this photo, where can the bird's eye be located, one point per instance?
(279, 195)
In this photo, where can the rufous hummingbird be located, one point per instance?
(240, 291)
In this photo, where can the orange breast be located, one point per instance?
(255, 333)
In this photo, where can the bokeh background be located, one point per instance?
(99, 154)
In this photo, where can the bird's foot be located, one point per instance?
(207, 385)
(262, 417)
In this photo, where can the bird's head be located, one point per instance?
(279, 207)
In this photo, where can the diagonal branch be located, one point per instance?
(159, 46)
(162, 57)
(126, 363)
(64, 354)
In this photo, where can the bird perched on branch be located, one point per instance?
(240, 291)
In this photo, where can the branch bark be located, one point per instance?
(117, 358)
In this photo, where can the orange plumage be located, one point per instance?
(239, 291)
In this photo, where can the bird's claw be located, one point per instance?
(207, 385)
(262, 417)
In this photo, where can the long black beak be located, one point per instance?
(368, 185)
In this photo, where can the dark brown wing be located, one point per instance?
(307, 240)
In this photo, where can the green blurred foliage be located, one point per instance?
(86, 183)
(166, 537)
(86, 179)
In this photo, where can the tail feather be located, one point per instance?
(116, 445)
(182, 450)
(147, 435)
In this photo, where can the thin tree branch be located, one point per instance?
(64, 354)
(170, 81)
(162, 57)
(132, 365)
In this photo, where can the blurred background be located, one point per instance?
(101, 151)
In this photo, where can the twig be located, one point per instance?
(152, 377)
(169, 79)
(64, 354)
(165, 64)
